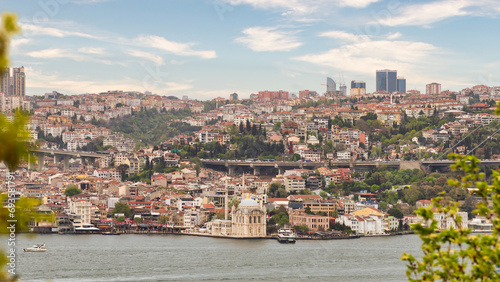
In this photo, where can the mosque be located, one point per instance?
(248, 221)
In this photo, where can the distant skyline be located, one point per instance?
(210, 48)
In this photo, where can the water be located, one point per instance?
(174, 257)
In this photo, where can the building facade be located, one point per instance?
(358, 87)
(433, 88)
(386, 80)
(13, 82)
(249, 219)
(401, 84)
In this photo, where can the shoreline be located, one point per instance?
(196, 234)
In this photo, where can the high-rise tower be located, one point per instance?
(13, 84)
(387, 80)
(401, 84)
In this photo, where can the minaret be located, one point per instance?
(225, 202)
(243, 182)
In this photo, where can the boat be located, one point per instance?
(115, 232)
(286, 235)
(36, 248)
(481, 225)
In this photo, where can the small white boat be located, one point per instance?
(36, 248)
(286, 235)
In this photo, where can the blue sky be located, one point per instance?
(210, 48)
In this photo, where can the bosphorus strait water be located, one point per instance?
(174, 257)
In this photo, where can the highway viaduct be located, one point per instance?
(64, 156)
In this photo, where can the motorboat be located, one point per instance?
(114, 232)
(286, 235)
(36, 248)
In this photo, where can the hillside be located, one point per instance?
(149, 127)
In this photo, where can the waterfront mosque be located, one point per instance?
(248, 221)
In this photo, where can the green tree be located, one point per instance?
(71, 191)
(455, 254)
(122, 208)
(397, 213)
(308, 210)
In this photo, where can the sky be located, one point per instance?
(210, 48)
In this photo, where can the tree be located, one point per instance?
(71, 191)
(397, 213)
(308, 210)
(13, 149)
(454, 254)
(122, 208)
(123, 170)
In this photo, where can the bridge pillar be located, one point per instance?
(83, 159)
(256, 170)
(230, 169)
(40, 161)
(66, 162)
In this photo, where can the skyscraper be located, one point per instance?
(358, 87)
(15, 84)
(5, 81)
(401, 84)
(387, 80)
(433, 88)
(330, 87)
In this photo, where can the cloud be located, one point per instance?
(31, 29)
(177, 48)
(158, 60)
(55, 53)
(55, 81)
(59, 53)
(262, 39)
(15, 43)
(92, 50)
(366, 56)
(395, 35)
(344, 36)
(432, 12)
(302, 7)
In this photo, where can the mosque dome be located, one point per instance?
(248, 203)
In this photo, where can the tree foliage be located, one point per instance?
(122, 208)
(13, 135)
(456, 254)
(72, 190)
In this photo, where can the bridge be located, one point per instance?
(258, 165)
(65, 155)
(440, 165)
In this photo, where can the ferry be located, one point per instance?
(36, 248)
(286, 235)
(481, 225)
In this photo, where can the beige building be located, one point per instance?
(249, 219)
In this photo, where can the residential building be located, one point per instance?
(313, 222)
(358, 87)
(294, 183)
(433, 88)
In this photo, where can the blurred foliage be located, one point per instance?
(13, 138)
(456, 254)
(7, 30)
